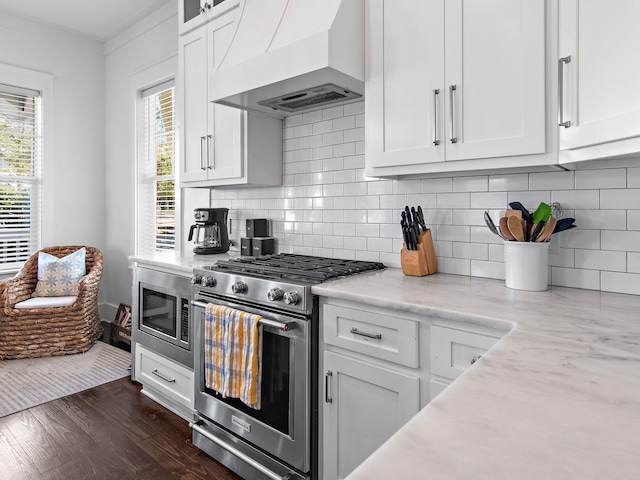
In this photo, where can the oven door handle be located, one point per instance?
(285, 326)
(234, 451)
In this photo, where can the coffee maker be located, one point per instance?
(211, 235)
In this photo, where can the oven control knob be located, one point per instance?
(196, 279)
(291, 298)
(208, 281)
(239, 287)
(275, 294)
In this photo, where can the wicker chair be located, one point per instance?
(43, 332)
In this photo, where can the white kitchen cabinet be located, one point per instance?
(455, 81)
(364, 405)
(165, 381)
(220, 145)
(600, 78)
(193, 13)
(454, 348)
(371, 365)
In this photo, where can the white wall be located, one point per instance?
(151, 41)
(74, 190)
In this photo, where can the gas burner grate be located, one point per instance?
(300, 267)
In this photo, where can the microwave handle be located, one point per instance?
(285, 326)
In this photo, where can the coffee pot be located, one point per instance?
(211, 234)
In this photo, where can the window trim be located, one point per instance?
(147, 79)
(25, 79)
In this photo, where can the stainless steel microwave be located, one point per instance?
(163, 320)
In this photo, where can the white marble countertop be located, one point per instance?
(557, 398)
(176, 263)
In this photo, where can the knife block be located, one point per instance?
(422, 261)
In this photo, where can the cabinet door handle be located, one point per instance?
(327, 397)
(436, 92)
(210, 164)
(166, 379)
(203, 152)
(475, 359)
(452, 89)
(561, 63)
(377, 336)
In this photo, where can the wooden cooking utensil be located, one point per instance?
(513, 213)
(547, 230)
(515, 227)
(505, 229)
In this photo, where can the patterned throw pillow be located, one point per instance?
(58, 277)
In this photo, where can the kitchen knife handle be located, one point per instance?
(561, 63)
(452, 89)
(327, 396)
(203, 151)
(436, 141)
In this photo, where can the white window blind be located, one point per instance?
(156, 192)
(20, 156)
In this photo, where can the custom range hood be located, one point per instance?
(289, 56)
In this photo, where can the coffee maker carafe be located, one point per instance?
(211, 235)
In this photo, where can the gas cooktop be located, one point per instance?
(289, 266)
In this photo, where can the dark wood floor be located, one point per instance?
(108, 432)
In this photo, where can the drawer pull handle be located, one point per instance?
(327, 395)
(475, 359)
(377, 336)
(166, 379)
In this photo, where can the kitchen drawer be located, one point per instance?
(453, 350)
(386, 337)
(164, 376)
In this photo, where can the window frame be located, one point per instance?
(23, 78)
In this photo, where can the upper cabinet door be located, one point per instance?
(494, 78)
(191, 14)
(600, 73)
(405, 53)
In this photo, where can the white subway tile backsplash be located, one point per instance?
(621, 240)
(578, 199)
(633, 262)
(455, 266)
(530, 200)
(621, 282)
(311, 117)
(489, 200)
(453, 200)
(474, 251)
(486, 269)
(599, 179)
(551, 181)
(633, 219)
(601, 219)
(329, 206)
(453, 233)
(576, 278)
(508, 183)
(437, 185)
(628, 199)
(601, 260)
(578, 238)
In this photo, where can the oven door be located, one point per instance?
(282, 425)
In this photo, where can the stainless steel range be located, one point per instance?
(278, 441)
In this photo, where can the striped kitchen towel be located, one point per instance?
(233, 353)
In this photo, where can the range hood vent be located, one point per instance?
(288, 56)
(312, 97)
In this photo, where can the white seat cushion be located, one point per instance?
(46, 302)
